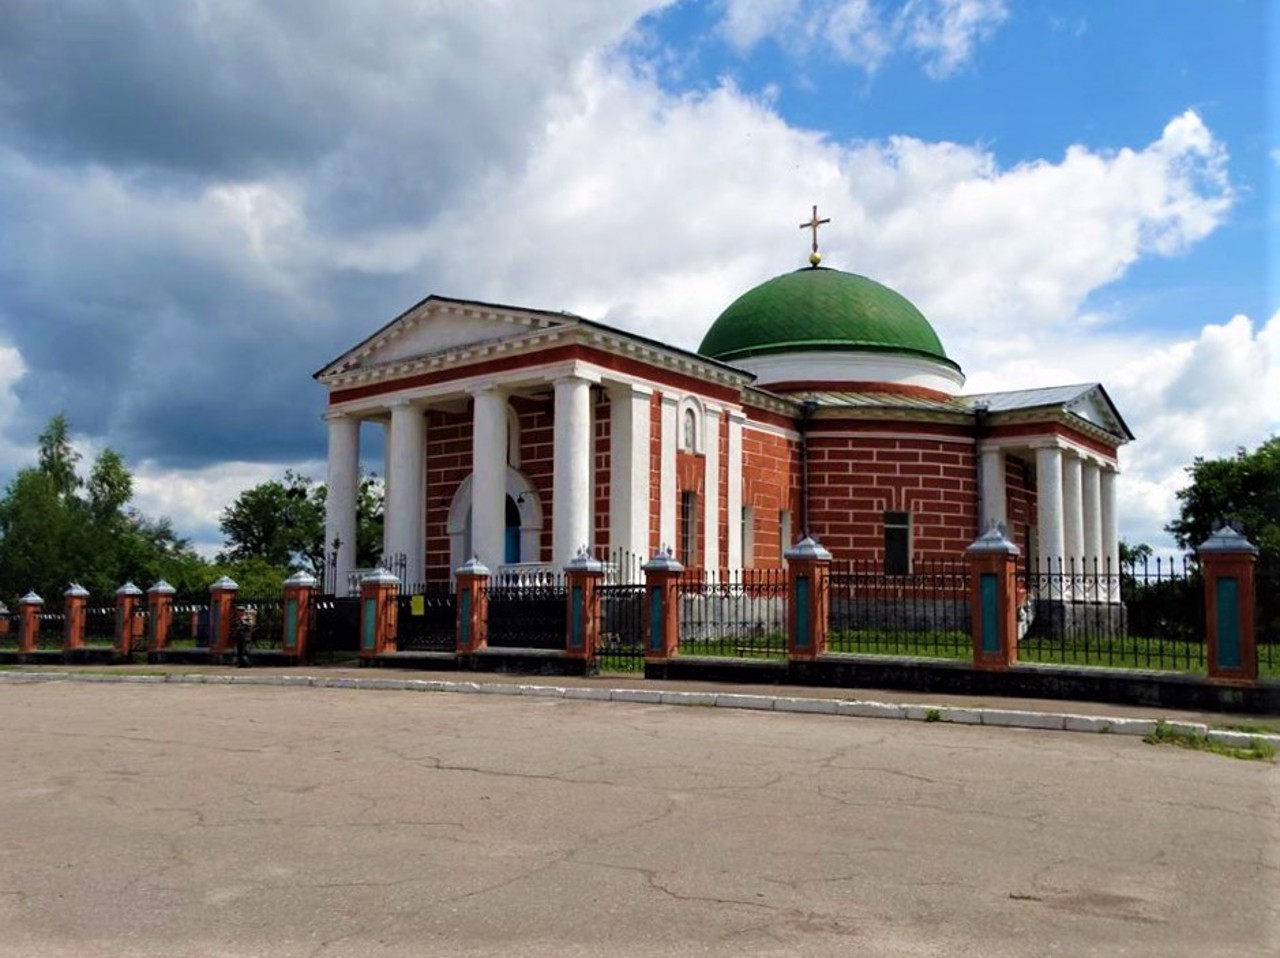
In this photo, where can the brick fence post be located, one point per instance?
(472, 633)
(662, 607)
(993, 603)
(808, 565)
(160, 613)
(298, 589)
(583, 576)
(222, 609)
(378, 613)
(127, 597)
(1228, 559)
(73, 602)
(29, 607)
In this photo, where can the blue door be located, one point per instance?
(511, 551)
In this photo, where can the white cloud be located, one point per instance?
(194, 498)
(942, 34)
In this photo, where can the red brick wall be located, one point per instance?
(770, 484)
(448, 463)
(1020, 501)
(854, 480)
(537, 459)
(601, 430)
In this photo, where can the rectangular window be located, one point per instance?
(688, 529)
(897, 543)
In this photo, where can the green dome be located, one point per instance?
(820, 309)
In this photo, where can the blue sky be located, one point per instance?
(200, 204)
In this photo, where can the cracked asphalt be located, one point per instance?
(224, 820)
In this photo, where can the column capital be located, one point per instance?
(401, 403)
(340, 415)
(669, 399)
(626, 390)
(573, 379)
(487, 389)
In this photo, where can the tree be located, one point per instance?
(281, 521)
(1245, 490)
(51, 534)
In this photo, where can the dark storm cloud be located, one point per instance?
(134, 278)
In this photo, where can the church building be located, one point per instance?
(819, 402)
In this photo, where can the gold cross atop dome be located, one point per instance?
(814, 258)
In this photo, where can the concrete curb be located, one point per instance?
(912, 712)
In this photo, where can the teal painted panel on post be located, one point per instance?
(575, 625)
(990, 598)
(656, 638)
(465, 638)
(802, 612)
(291, 623)
(369, 623)
(1227, 593)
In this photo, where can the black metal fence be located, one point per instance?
(189, 622)
(622, 637)
(528, 616)
(52, 634)
(1146, 615)
(1267, 586)
(427, 618)
(335, 628)
(9, 625)
(741, 615)
(922, 613)
(100, 626)
(258, 621)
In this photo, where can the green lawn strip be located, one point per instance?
(1261, 728)
(951, 644)
(1164, 734)
(1120, 652)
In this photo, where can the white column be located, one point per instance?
(340, 501)
(736, 420)
(667, 475)
(1072, 512)
(489, 476)
(1091, 505)
(406, 527)
(1049, 504)
(711, 496)
(1110, 538)
(993, 490)
(386, 483)
(571, 488)
(629, 470)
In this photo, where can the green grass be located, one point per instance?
(952, 644)
(1261, 728)
(772, 645)
(1257, 750)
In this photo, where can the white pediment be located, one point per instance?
(1093, 407)
(438, 325)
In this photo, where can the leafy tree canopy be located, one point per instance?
(1243, 489)
(57, 527)
(281, 522)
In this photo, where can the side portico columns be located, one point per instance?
(489, 475)
(406, 491)
(571, 447)
(340, 501)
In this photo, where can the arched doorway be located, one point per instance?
(523, 522)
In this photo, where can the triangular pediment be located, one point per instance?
(1094, 406)
(437, 325)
